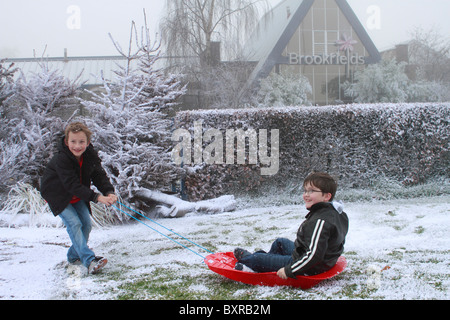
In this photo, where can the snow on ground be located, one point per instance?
(395, 250)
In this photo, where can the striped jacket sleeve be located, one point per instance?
(311, 246)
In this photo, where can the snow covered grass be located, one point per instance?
(396, 249)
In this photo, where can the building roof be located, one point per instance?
(270, 29)
(277, 28)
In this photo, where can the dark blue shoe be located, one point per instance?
(239, 253)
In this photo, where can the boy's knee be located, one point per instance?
(76, 225)
(280, 242)
(87, 226)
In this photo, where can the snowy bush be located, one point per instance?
(358, 144)
(387, 82)
(46, 91)
(284, 89)
(29, 127)
(6, 81)
(25, 206)
(383, 82)
(426, 91)
(9, 151)
(11, 163)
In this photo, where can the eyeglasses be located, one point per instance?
(310, 192)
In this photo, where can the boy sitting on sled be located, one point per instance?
(320, 238)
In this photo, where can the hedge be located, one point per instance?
(356, 143)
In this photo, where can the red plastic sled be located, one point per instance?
(223, 264)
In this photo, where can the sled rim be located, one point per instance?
(223, 264)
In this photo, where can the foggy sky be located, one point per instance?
(28, 25)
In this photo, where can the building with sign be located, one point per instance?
(320, 39)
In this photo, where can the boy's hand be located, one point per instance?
(109, 200)
(113, 198)
(282, 274)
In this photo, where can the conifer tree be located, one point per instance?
(130, 120)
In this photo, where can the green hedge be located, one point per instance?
(357, 144)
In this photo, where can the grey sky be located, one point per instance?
(28, 25)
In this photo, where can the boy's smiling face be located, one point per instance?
(313, 195)
(77, 142)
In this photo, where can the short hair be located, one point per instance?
(77, 127)
(322, 181)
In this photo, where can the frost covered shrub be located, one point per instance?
(387, 82)
(358, 144)
(383, 82)
(6, 81)
(24, 201)
(46, 91)
(8, 151)
(426, 91)
(285, 89)
(29, 127)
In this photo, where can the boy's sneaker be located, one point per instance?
(97, 264)
(239, 253)
(75, 263)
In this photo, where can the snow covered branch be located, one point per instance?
(169, 206)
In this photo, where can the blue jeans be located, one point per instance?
(279, 256)
(77, 219)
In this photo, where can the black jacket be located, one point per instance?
(320, 241)
(63, 178)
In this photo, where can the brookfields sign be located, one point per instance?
(332, 59)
